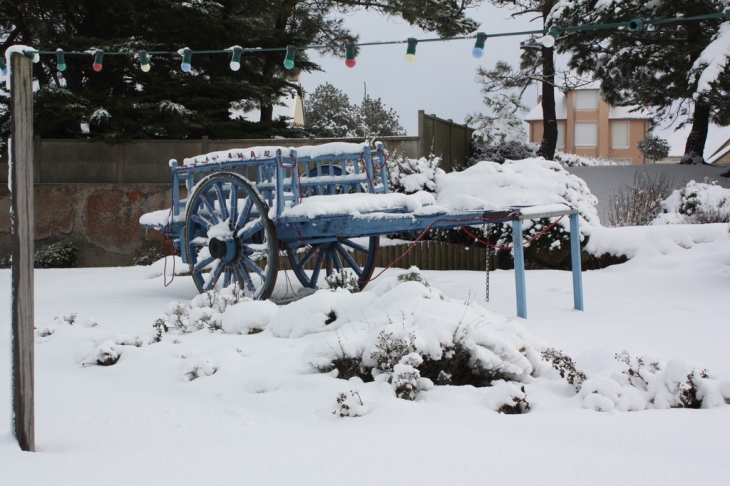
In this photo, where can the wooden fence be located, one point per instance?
(427, 255)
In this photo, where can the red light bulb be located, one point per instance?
(97, 67)
(350, 63)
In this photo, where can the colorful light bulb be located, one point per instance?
(187, 55)
(60, 60)
(144, 61)
(478, 50)
(635, 24)
(291, 51)
(98, 60)
(236, 58)
(411, 51)
(350, 48)
(549, 39)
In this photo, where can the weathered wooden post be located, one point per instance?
(23, 226)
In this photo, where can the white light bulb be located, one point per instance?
(548, 41)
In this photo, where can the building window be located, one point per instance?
(586, 134)
(561, 136)
(620, 135)
(586, 99)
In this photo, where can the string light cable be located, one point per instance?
(548, 39)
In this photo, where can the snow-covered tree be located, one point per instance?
(329, 113)
(678, 68)
(379, 120)
(504, 86)
(654, 148)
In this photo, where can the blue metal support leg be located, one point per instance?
(575, 262)
(519, 252)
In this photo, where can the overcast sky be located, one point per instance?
(441, 82)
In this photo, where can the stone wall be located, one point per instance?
(103, 219)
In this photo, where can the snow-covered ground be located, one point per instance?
(265, 418)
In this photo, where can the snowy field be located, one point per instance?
(264, 417)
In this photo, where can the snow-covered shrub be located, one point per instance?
(410, 335)
(640, 203)
(644, 383)
(107, 354)
(406, 379)
(413, 175)
(573, 160)
(350, 406)
(654, 148)
(390, 350)
(413, 274)
(696, 203)
(499, 152)
(227, 309)
(63, 254)
(507, 398)
(565, 366)
(344, 279)
(198, 369)
(148, 254)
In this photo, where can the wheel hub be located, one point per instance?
(222, 249)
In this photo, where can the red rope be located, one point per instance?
(420, 237)
(168, 248)
(510, 247)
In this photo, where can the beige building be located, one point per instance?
(589, 126)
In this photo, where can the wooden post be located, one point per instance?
(21, 179)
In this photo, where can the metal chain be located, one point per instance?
(488, 259)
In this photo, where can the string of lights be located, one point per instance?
(548, 39)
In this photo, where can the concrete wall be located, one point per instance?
(146, 161)
(605, 180)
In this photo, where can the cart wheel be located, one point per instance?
(229, 237)
(333, 257)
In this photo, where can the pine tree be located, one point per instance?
(167, 102)
(653, 66)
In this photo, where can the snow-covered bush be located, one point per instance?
(351, 406)
(696, 203)
(507, 398)
(644, 383)
(63, 254)
(227, 310)
(501, 151)
(410, 335)
(565, 366)
(148, 254)
(413, 175)
(344, 279)
(640, 203)
(573, 160)
(654, 148)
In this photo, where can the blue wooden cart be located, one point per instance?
(324, 206)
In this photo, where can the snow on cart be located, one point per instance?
(325, 206)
